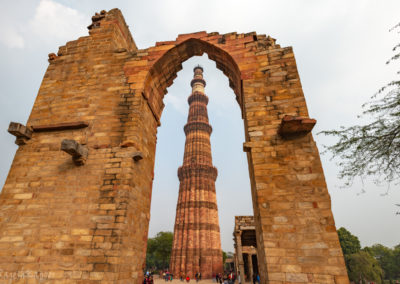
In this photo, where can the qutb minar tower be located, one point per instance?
(197, 242)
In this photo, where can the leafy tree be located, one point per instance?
(363, 266)
(159, 250)
(387, 258)
(372, 148)
(349, 243)
(224, 257)
(396, 253)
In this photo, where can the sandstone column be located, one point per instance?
(250, 266)
(239, 253)
(197, 242)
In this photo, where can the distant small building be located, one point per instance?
(229, 263)
(245, 258)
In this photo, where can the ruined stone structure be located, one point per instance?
(197, 242)
(83, 213)
(244, 236)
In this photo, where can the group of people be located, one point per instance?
(197, 277)
(168, 276)
(231, 277)
(148, 278)
(226, 278)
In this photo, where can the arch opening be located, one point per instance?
(163, 72)
(225, 116)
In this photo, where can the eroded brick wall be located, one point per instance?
(91, 222)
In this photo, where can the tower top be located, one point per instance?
(198, 67)
(198, 79)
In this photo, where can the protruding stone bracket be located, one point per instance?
(20, 131)
(295, 126)
(137, 156)
(246, 147)
(78, 152)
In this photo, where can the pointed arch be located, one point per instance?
(164, 70)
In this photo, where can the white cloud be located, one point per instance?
(177, 102)
(53, 20)
(11, 38)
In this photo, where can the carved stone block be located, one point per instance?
(294, 126)
(20, 131)
(78, 152)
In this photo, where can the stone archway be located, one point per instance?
(90, 221)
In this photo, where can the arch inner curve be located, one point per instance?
(163, 72)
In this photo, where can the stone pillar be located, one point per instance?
(250, 264)
(239, 254)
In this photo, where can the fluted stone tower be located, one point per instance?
(197, 243)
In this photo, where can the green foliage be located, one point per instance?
(362, 265)
(389, 259)
(373, 263)
(349, 243)
(159, 250)
(372, 148)
(224, 257)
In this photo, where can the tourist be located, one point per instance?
(187, 279)
(226, 278)
(181, 276)
(148, 279)
(199, 275)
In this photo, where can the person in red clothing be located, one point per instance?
(187, 278)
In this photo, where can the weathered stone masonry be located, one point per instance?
(89, 223)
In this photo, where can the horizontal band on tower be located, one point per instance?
(197, 96)
(197, 226)
(197, 204)
(197, 125)
(206, 186)
(197, 170)
(200, 140)
(197, 80)
(197, 156)
(188, 252)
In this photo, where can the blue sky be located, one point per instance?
(340, 46)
